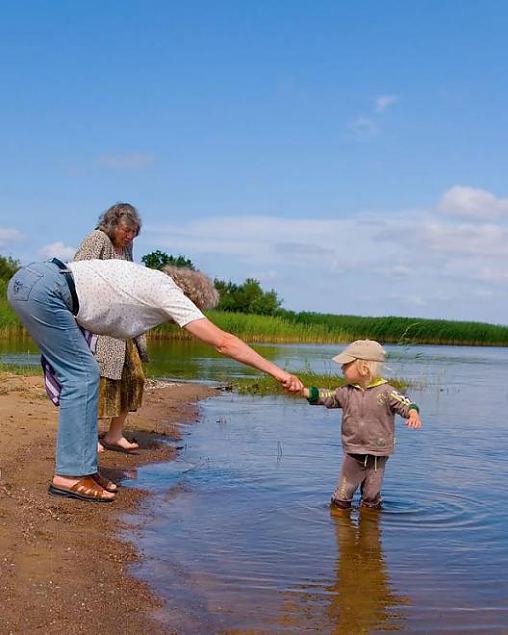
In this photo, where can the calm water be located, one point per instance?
(240, 538)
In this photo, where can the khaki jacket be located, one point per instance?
(367, 415)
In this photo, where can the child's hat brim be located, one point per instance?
(344, 358)
(368, 350)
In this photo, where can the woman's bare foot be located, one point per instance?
(120, 442)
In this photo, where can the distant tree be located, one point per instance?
(248, 297)
(8, 267)
(157, 260)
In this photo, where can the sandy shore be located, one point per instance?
(63, 568)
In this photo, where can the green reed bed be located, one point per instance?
(268, 386)
(258, 328)
(324, 328)
(407, 330)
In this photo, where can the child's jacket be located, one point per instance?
(368, 415)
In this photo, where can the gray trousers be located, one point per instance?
(360, 470)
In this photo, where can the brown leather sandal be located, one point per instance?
(86, 489)
(109, 486)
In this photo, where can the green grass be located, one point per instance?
(9, 323)
(20, 369)
(268, 386)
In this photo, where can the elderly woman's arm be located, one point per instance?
(232, 346)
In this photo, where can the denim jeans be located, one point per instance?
(40, 296)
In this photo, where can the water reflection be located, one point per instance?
(360, 598)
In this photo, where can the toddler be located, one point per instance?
(369, 405)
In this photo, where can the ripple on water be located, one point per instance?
(432, 512)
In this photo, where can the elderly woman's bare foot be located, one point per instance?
(120, 444)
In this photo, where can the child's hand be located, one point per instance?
(414, 421)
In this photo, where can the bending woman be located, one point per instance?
(122, 377)
(107, 297)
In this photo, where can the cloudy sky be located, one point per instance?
(350, 155)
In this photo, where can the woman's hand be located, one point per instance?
(291, 383)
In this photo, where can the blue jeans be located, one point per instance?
(40, 296)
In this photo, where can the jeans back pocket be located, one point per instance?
(21, 285)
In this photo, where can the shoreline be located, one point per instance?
(63, 566)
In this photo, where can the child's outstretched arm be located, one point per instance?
(323, 397)
(406, 408)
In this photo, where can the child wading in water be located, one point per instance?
(369, 405)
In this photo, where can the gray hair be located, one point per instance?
(119, 213)
(195, 285)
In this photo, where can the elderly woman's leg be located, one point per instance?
(114, 436)
(118, 398)
(40, 296)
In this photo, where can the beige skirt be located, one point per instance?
(126, 394)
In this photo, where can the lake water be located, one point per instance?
(239, 537)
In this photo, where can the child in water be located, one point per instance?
(369, 404)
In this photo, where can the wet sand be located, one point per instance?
(63, 567)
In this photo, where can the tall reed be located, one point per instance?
(306, 327)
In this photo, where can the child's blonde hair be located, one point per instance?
(369, 369)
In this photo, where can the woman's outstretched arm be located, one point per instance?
(231, 346)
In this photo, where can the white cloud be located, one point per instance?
(366, 126)
(411, 300)
(472, 202)
(127, 161)
(302, 249)
(257, 239)
(363, 127)
(385, 101)
(375, 263)
(480, 241)
(57, 250)
(8, 236)
(399, 270)
(493, 274)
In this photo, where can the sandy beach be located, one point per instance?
(63, 568)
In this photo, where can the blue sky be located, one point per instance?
(351, 155)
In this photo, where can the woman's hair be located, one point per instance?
(195, 285)
(373, 368)
(119, 213)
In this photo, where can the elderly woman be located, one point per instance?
(108, 297)
(122, 377)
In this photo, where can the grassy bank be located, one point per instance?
(263, 385)
(268, 386)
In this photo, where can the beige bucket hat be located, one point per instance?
(368, 350)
